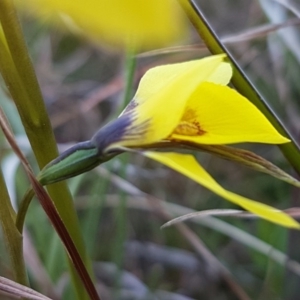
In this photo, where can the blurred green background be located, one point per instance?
(82, 84)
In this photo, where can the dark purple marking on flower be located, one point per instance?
(136, 131)
(111, 133)
(130, 107)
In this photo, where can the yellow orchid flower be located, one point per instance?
(191, 102)
(131, 23)
(188, 102)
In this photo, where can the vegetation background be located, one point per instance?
(133, 258)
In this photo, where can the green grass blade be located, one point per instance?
(291, 150)
(11, 236)
(16, 67)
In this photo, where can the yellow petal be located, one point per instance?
(223, 116)
(188, 166)
(208, 69)
(133, 23)
(162, 95)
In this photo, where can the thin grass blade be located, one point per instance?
(203, 214)
(17, 290)
(248, 159)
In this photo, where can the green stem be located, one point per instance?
(20, 78)
(290, 150)
(23, 209)
(130, 65)
(121, 211)
(12, 237)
